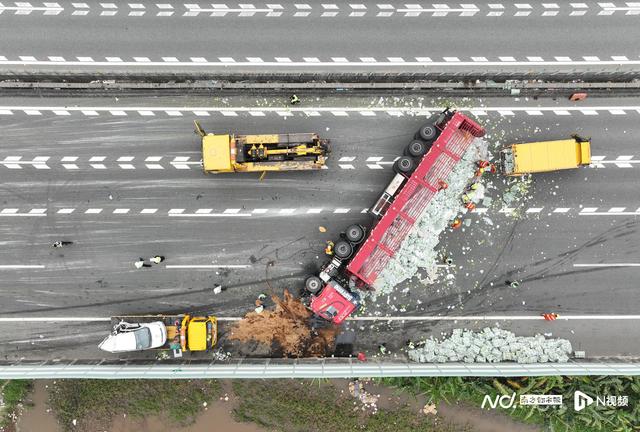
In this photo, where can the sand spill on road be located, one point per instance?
(286, 329)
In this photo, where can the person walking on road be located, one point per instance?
(294, 99)
(156, 259)
(59, 244)
(141, 263)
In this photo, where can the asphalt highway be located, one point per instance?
(299, 37)
(62, 179)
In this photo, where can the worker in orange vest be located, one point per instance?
(329, 249)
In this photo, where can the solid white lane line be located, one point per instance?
(173, 61)
(208, 266)
(496, 318)
(2, 214)
(608, 265)
(54, 319)
(561, 317)
(20, 266)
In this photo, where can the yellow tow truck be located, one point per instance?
(543, 156)
(176, 332)
(260, 153)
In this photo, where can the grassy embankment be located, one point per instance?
(13, 393)
(295, 406)
(93, 404)
(563, 419)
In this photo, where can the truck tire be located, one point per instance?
(354, 233)
(416, 148)
(313, 284)
(404, 165)
(342, 249)
(428, 132)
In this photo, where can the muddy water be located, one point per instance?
(216, 418)
(36, 418)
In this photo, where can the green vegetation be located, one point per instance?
(563, 419)
(292, 406)
(94, 403)
(13, 393)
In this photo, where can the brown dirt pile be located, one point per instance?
(286, 328)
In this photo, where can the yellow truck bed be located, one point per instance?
(544, 156)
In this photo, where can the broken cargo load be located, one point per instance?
(446, 147)
(418, 250)
(260, 153)
(491, 345)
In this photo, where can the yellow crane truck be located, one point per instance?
(260, 153)
(543, 156)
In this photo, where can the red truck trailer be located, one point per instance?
(420, 174)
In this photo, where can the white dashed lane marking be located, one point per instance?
(324, 10)
(8, 110)
(271, 212)
(329, 62)
(20, 267)
(185, 162)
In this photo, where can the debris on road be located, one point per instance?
(491, 345)
(286, 328)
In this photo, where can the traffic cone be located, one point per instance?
(483, 164)
(470, 206)
(456, 223)
(442, 185)
(550, 316)
(362, 357)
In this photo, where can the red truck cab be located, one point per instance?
(334, 303)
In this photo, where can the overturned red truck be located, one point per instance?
(358, 257)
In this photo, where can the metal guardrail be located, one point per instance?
(321, 368)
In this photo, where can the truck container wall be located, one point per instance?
(387, 235)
